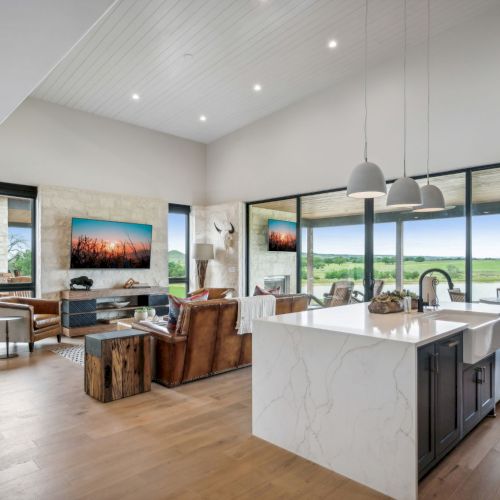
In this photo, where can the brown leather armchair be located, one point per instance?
(216, 293)
(206, 343)
(41, 319)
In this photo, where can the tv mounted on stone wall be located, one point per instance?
(102, 244)
(282, 236)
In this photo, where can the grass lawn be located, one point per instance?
(483, 270)
(177, 289)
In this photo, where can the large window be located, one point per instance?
(17, 240)
(485, 234)
(178, 249)
(332, 242)
(406, 243)
(463, 240)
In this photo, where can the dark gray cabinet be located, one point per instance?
(439, 399)
(478, 392)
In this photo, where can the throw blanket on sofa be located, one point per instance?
(256, 307)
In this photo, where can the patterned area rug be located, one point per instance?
(75, 353)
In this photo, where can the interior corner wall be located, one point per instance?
(313, 145)
(227, 269)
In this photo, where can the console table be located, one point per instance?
(99, 310)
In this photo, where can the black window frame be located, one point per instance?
(31, 193)
(369, 218)
(175, 208)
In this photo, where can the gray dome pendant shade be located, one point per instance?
(367, 179)
(432, 199)
(405, 192)
(432, 196)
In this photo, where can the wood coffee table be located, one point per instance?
(117, 364)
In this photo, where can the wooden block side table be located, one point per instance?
(117, 364)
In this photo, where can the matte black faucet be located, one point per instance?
(421, 284)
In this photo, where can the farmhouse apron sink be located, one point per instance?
(481, 333)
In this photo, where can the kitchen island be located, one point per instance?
(338, 386)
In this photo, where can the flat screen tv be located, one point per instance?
(102, 244)
(282, 236)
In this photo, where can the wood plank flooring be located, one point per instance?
(193, 442)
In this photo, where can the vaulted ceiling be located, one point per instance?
(188, 58)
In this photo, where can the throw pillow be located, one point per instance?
(262, 291)
(175, 303)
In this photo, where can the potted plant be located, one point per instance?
(141, 314)
(151, 312)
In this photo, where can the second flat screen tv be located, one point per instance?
(102, 244)
(282, 236)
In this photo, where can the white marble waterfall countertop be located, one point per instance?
(413, 328)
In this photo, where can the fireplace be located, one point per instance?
(282, 281)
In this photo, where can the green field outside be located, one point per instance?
(177, 289)
(351, 267)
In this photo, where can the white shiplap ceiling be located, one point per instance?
(140, 47)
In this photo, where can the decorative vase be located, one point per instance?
(151, 312)
(140, 315)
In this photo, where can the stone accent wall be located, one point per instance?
(57, 207)
(262, 262)
(226, 270)
(4, 234)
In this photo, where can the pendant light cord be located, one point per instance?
(366, 78)
(428, 83)
(404, 90)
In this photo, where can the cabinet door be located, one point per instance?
(448, 392)
(471, 397)
(426, 396)
(487, 386)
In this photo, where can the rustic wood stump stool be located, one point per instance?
(117, 364)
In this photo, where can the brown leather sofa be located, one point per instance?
(205, 342)
(41, 319)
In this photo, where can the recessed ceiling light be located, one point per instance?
(203, 118)
(136, 97)
(332, 44)
(257, 87)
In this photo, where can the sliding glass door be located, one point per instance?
(337, 240)
(332, 242)
(17, 240)
(178, 249)
(485, 234)
(406, 243)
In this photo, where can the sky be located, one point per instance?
(435, 237)
(177, 232)
(112, 231)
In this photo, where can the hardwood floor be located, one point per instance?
(192, 442)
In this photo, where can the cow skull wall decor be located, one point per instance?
(226, 235)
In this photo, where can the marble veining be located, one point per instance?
(345, 402)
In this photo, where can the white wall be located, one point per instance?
(43, 143)
(314, 144)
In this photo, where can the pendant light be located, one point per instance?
(367, 179)
(405, 192)
(432, 197)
